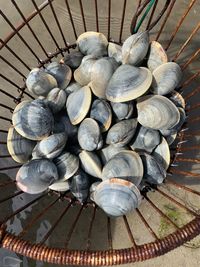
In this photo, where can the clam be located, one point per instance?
(56, 99)
(135, 48)
(101, 112)
(117, 197)
(36, 176)
(93, 188)
(108, 152)
(177, 99)
(171, 138)
(90, 163)
(123, 110)
(101, 72)
(51, 146)
(63, 124)
(124, 165)
(154, 172)
(162, 153)
(157, 112)
(73, 59)
(72, 87)
(115, 51)
(60, 186)
(78, 104)
(80, 185)
(89, 135)
(61, 72)
(19, 147)
(40, 83)
(122, 132)
(92, 43)
(67, 165)
(156, 56)
(82, 75)
(166, 78)
(127, 83)
(145, 139)
(33, 120)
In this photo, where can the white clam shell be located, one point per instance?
(56, 99)
(60, 186)
(123, 110)
(108, 152)
(162, 153)
(156, 56)
(115, 51)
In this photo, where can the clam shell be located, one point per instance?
(177, 99)
(67, 165)
(101, 112)
(166, 78)
(154, 172)
(101, 73)
(89, 135)
(78, 104)
(33, 120)
(63, 124)
(171, 138)
(162, 153)
(123, 110)
(36, 176)
(157, 112)
(93, 189)
(72, 87)
(124, 165)
(60, 186)
(122, 132)
(115, 51)
(61, 72)
(79, 185)
(156, 56)
(73, 59)
(90, 163)
(92, 43)
(82, 75)
(51, 146)
(145, 139)
(40, 83)
(135, 48)
(127, 83)
(108, 152)
(117, 197)
(19, 147)
(56, 99)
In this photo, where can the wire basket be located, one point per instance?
(84, 234)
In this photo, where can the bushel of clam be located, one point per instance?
(103, 122)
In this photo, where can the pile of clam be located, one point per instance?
(102, 124)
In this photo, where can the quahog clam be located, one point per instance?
(72, 87)
(145, 139)
(93, 43)
(78, 104)
(36, 176)
(177, 99)
(80, 185)
(82, 75)
(33, 120)
(50, 147)
(101, 112)
(135, 48)
(157, 112)
(89, 135)
(123, 110)
(115, 51)
(162, 153)
(73, 59)
(61, 72)
(101, 72)
(90, 163)
(166, 78)
(60, 186)
(117, 197)
(67, 165)
(124, 165)
(108, 152)
(19, 147)
(156, 56)
(40, 83)
(154, 172)
(127, 83)
(56, 99)
(122, 132)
